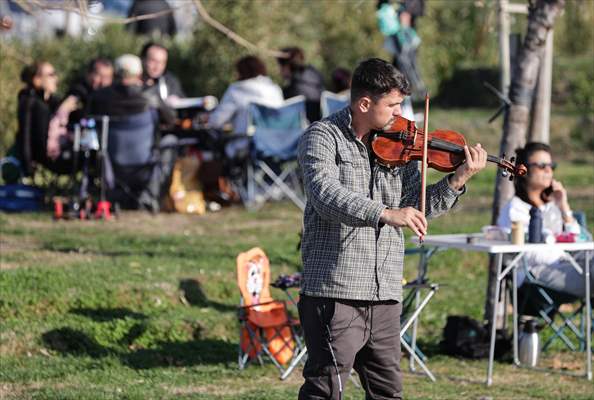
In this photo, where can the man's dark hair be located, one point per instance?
(92, 65)
(148, 45)
(295, 58)
(522, 156)
(250, 67)
(375, 77)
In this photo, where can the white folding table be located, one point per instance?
(476, 242)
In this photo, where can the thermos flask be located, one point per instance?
(529, 345)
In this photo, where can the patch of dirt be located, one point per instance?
(232, 387)
(31, 253)
(228, 220)
(8, 390)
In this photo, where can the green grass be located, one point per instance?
(145, 307)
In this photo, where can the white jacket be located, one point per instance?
(234, 104)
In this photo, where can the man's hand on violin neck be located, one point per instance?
(408, 216)
(476, 160)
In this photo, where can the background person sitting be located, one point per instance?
(99, 74)
(252, 86)
(159, 82)
(539, 189)
(37, 105)
(126, 97)
(302, 79)
(126, 101)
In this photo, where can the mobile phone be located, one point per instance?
(546, 194)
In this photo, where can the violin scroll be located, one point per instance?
(509, 168)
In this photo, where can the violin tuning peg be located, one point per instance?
(511, 177)
(512, 160)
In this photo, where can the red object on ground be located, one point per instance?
(58, 208)
(103, 210)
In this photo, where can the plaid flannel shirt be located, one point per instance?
(346, 252)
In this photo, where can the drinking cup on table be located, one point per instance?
(517, 232)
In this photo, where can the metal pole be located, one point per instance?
(498, 261)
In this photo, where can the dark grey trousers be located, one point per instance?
(363, 335)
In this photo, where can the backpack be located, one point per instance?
(466, 337)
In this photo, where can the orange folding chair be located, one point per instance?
(266, 328)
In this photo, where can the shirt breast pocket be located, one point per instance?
(352, 173)
(388, 184)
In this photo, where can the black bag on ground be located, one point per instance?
(465, 337)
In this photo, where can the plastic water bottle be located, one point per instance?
(529, 345)
(90, 140)
(535, 226)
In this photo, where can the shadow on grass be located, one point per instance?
(177, 253)
(68, 341)
(194, 294)
(108, 314)
(182, 354)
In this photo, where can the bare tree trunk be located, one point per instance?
(541, 104)
(541, 17)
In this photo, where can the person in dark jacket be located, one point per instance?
(99, 74)
(126, 97)
(37, 105)
(163, 24)
(158, 82)
(302, 79)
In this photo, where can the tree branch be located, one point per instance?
(232, 35)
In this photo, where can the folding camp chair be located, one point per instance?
(266, 328)
(272, 170)
(332, 102)
(419, 293)
(136, 165)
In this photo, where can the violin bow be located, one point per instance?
(422, 200)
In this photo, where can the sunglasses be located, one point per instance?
(542, 165)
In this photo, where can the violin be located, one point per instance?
(403, 142)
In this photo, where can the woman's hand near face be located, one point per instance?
(559, 195)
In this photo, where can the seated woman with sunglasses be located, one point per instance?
(539, 189)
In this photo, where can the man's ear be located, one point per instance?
(364, 104)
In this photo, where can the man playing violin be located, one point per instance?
(353, 242)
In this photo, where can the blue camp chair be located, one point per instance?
(272, 169)
(332, 102)
(134, 162)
